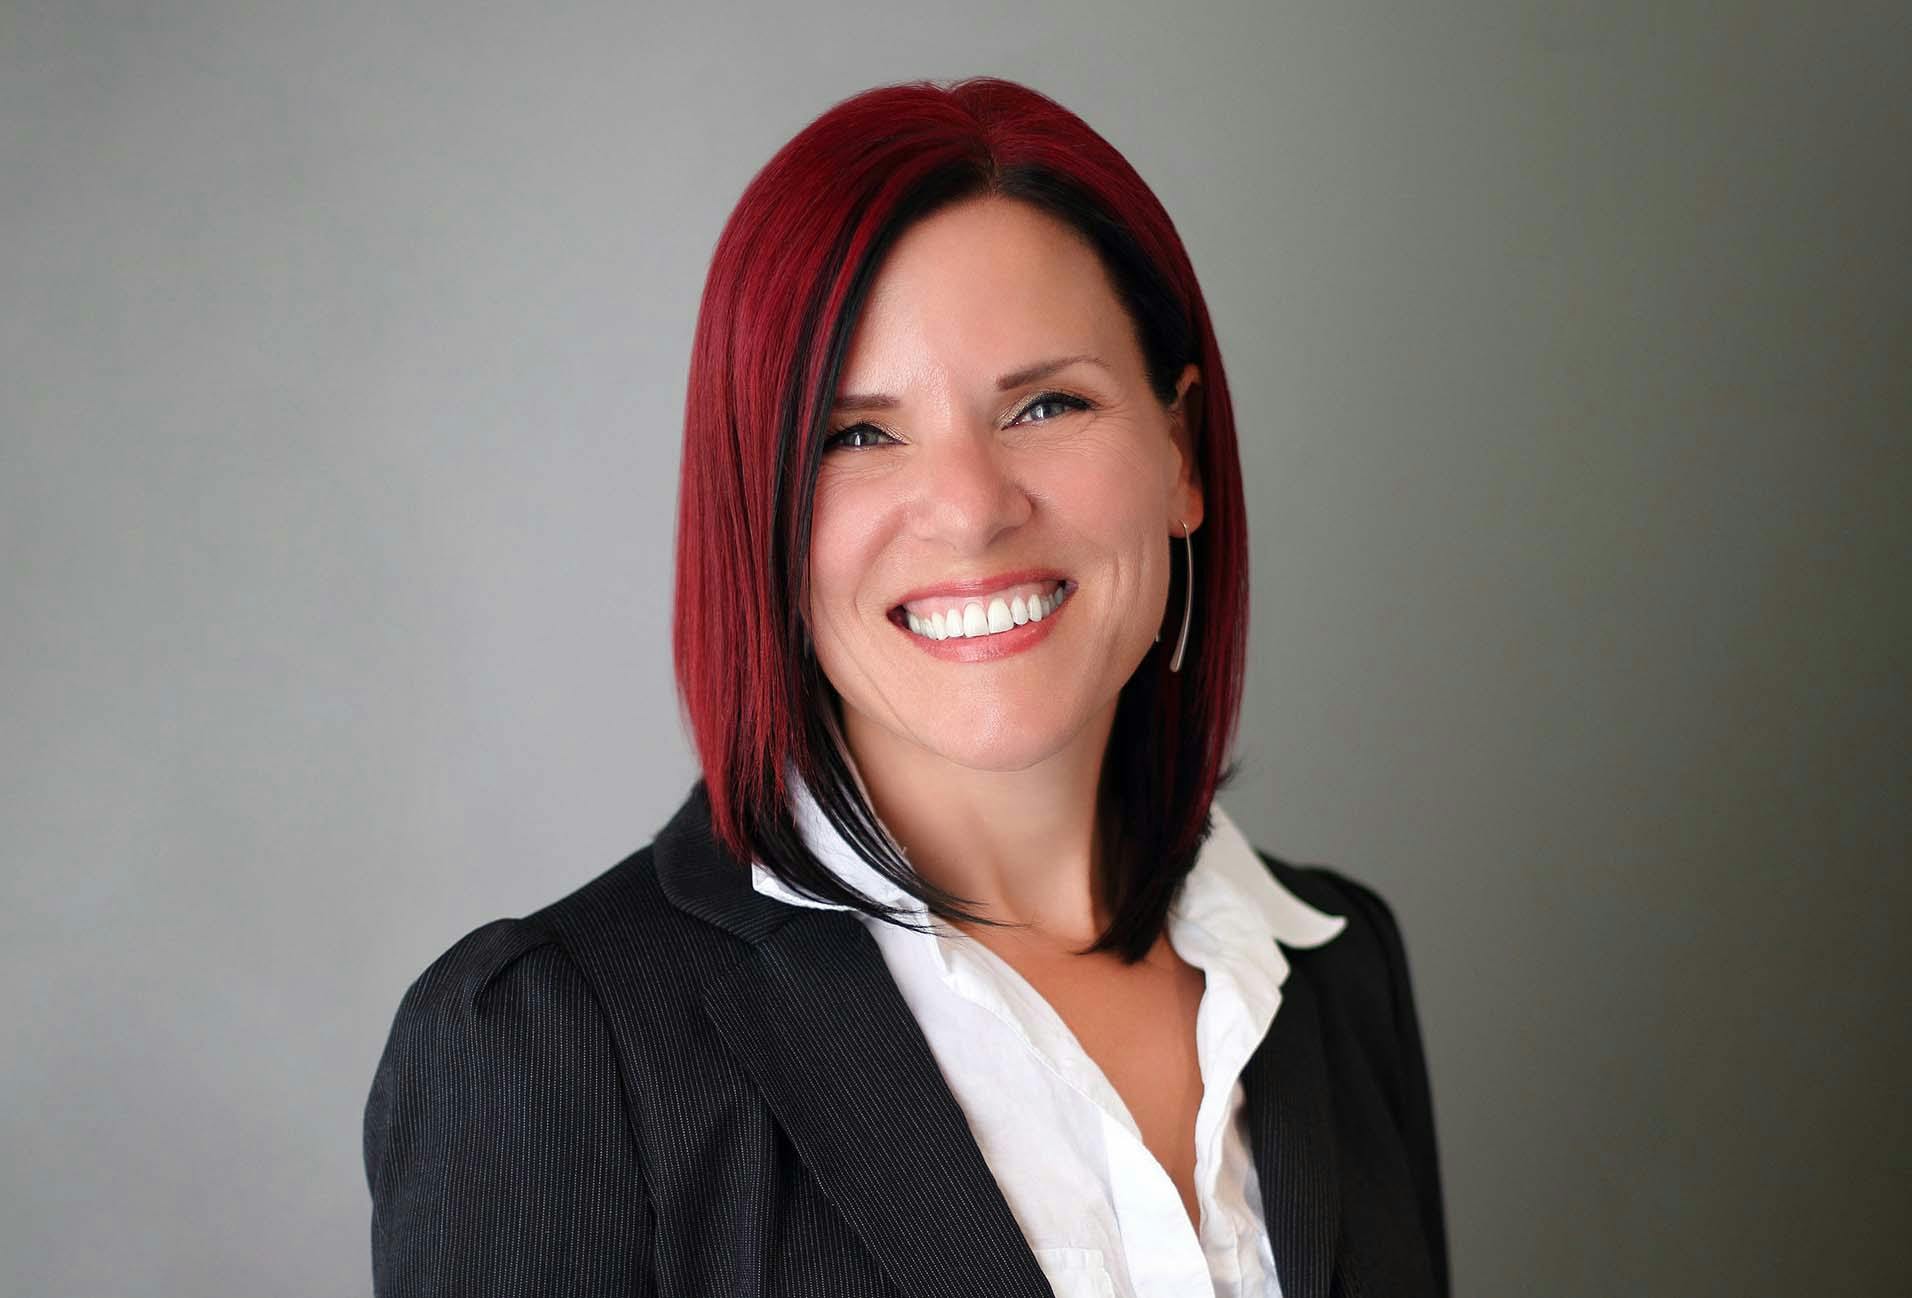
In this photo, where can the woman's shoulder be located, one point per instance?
(610, 959)
(498, 999)
(1365, 967)
(516, 1002)
(1362, 980)
(496, 1135)
(1336, 892)
(501, 963)
(1329, 889)
(537, 960)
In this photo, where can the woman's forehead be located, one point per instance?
(980, 291)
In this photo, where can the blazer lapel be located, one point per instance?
(808, 1006)
(1290, 1124)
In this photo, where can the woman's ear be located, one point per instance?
(1185, 428)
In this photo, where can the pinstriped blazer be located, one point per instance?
(669, 1084)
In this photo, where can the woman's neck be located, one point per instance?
(1021, 845)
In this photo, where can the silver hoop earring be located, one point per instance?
(1188, 600)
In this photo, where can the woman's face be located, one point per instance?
(1000, 445)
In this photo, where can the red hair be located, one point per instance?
(786, 284)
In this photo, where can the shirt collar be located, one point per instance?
(830, 848)
(1230, 891)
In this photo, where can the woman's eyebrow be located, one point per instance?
(1014, 379)
(1044, 370)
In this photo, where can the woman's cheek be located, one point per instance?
(847, 526)
(1110, 498)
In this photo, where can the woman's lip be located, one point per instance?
(980, 585)
(985, 648)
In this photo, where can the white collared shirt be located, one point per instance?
(1101, 1214)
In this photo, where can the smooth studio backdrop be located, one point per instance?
(343, 362)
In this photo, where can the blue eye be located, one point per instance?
(1062, 399)
(857, 437)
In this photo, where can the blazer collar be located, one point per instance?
(806, 1003)
(703, 880)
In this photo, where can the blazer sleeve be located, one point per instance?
(1413, 1097)
(500, 1157)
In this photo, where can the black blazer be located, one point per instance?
(667, 1083)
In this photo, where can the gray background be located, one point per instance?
(344, 349)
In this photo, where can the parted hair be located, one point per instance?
(786, 285)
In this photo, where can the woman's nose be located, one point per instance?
(968, 494)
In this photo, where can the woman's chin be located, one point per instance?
(991, 743)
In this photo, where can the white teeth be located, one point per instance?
(976, 618)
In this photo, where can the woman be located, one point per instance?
(949, 977)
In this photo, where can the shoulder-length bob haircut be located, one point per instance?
(787, 283)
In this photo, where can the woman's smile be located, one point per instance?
(987, 626)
